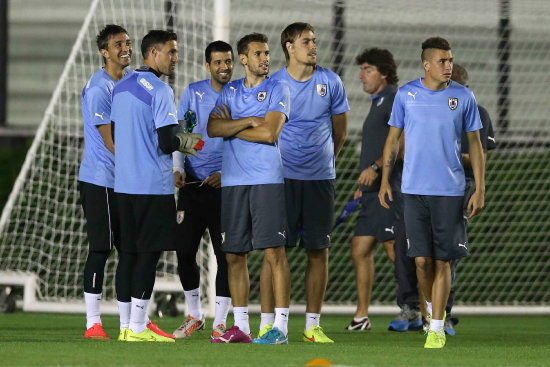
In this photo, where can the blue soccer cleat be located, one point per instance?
(408, 319)
(273, 336)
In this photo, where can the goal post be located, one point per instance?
(42, 229)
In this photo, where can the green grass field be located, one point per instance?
(32, 339)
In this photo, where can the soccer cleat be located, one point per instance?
(408, 319)
(123, 336)
(147, 335)
(265, 329)
(219, 330)
(189, 326)
(233, 335)
(449, 325)
(152, 325)
(273, 336)
(362, 325)
(426, 320)
(316, 335)
(96, 332)
(435, 339)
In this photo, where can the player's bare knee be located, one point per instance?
(423, 263)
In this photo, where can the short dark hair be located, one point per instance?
(292, 32)
(460, 75)
(436, 43)
(102, 38)
(155, 37)
(242, 44)
(383, 60)
(217, 46)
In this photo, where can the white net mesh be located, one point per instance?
(43, 228)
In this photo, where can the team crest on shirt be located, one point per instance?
(453, 103)
(322, 90)
(179, 217)
(262, 95)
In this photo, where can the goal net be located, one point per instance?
(501, 43)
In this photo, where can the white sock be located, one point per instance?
(138, 315)
(93, 314)
(193, 301)
(240, 314)
(312, 319)
(429, 307)
(124, 312)
(222, 309)
(281, 319)
(436, 325)
(266, 318)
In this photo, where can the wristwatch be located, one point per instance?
(375, 167)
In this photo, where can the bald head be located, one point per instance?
(460, 75)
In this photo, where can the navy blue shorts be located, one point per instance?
(253, 217)
(375, 220)
(435, 227)
(310, 212)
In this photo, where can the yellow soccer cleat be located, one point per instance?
(435, 339)
(266, 328)
(123, 336)
(147, 336)
(316, 335)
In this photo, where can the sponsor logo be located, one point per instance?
(389, 230)
(223, 237)
(462, 245)
(492, 139)
(412, 95)
(282, 104)
(408, 244)
(380, 101)
(283, 233)
(228, 340)
(98, 115)
(146, 84)
(142, 307)
(453, 103)
(310, 339)
(322, 90)
(262, 95)
(233, 89)
(179, 217)
(199, 94)
(173, 114)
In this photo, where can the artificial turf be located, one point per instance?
(35, 339)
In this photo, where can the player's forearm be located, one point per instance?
(339, 140)
(467, 163)
(224, 128)
(391, 150)
(258, 134)
(107, 136)
(339, 131)
(478, 165)
(168, 142)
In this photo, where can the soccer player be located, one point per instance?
(309, 143)
(96, 175)
(249, 115)
(435, 110)
(199, 202)
(144, 114)
(407, 293)
(375, 223)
